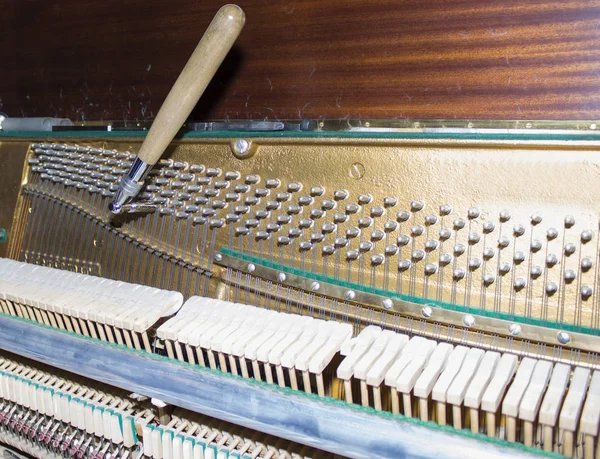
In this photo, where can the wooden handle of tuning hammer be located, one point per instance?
(193, 80)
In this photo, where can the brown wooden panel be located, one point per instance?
(497, 59)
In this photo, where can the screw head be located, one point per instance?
(251, 267)
(242, 148)
(242, 145)
(350, 295)
(514, 329)
(387, 303)
(469, 320)
(218, 257)
(357, 171)
(426, 311)
(315, 286)
(281, 277)
(563, 338)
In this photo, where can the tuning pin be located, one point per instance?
(377, 260)
(377, 235)
(390, 250)
(272, 183)
(473, 213)
(518, 230)
(474, 238)
(551, 233)
(586, 236)
(551, 260)
(364, 199)
(459, 223)
(569, 221)
(459, 249)
(488, 279)
(390, 202)
(402, 216)
(390, 226)
(340, 218)
(352, 233)
(569, 276)
(430, 268)
(416, 206)
(445, 234)
(294, 187)
(418, 255)
(403, 240)
(570, 249)
(340, 242)
(365, 222)
(352, 254)
(403, 265)
(377, 212)
(351, 209)
(505, 268)
(340, 195)
(431, 219)
(445, 209)
(474, 263)
(431, 245)
(504, 216)
(551, 288)
(458, 274)
(445, 259)
(416, 230)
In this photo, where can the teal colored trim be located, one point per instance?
(411, 299)
(288, 391)
(120, 419)
(297, 134)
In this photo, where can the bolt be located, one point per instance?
(218, 257)
(315, 286)
(357, 171)
(469, 320)
(387, 303)
(563, 338)
(242, 145)
(350, 295)
(241, 148)
(251, 267)
(427, 311)
(514, 329)
(281, 277)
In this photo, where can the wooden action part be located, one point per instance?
(193, 80)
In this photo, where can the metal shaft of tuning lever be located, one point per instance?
(193, 80)
(138, 207)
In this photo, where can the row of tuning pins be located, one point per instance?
(265, 229)
(178, 175)
(329, 247)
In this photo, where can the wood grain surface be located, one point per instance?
(492, 59)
